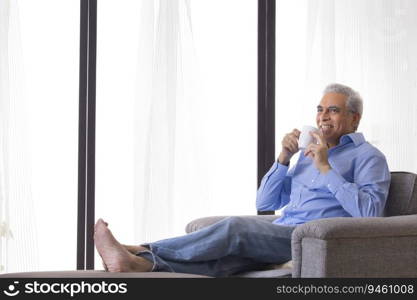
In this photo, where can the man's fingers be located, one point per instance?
(296, 132)
(307, 150)
(294, 145)
(311, 148)
(309, 153)
(291, 148)
(318, 137)
(290, 142)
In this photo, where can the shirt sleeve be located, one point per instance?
(275, 188)
(367, 195)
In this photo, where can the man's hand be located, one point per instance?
(318, 153)
(289, 146)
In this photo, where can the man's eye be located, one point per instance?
(333, 110)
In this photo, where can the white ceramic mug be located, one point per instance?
(305, 136)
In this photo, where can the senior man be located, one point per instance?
(339, 176)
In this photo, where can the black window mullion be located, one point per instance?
(266, 88)
(91, 149)
(86, 143)
(82, 128)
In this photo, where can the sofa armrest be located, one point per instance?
(200, 223)
(356, 247)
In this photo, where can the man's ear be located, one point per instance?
(355, 121)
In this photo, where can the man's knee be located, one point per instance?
(236, 223)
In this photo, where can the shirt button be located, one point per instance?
(312, 180)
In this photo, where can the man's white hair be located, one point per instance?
(354, 101)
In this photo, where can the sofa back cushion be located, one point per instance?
(402, 196)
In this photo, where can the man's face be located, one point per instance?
(334, 119)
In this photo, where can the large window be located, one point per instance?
(176, 114)
(176, 120)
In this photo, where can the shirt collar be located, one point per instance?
(356, 137)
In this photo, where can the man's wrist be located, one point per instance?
(324, 169)
(283, 161)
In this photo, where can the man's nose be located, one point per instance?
(324, 116)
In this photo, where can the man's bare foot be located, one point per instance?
(131, 248)
(134, 249)
(115, 257)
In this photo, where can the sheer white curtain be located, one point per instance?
(369, 45)
(149, 149)
(195, 114)
(169, 138)
(176, 114)
(18, 241)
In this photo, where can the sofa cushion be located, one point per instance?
(402, 197)
(275, 273)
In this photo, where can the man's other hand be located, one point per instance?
(318, 153)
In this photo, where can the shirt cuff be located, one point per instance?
(333, 181)
(278, 170)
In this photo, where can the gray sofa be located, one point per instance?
(334, 247)
(353, 247)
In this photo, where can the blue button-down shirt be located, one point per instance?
(356, 186)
